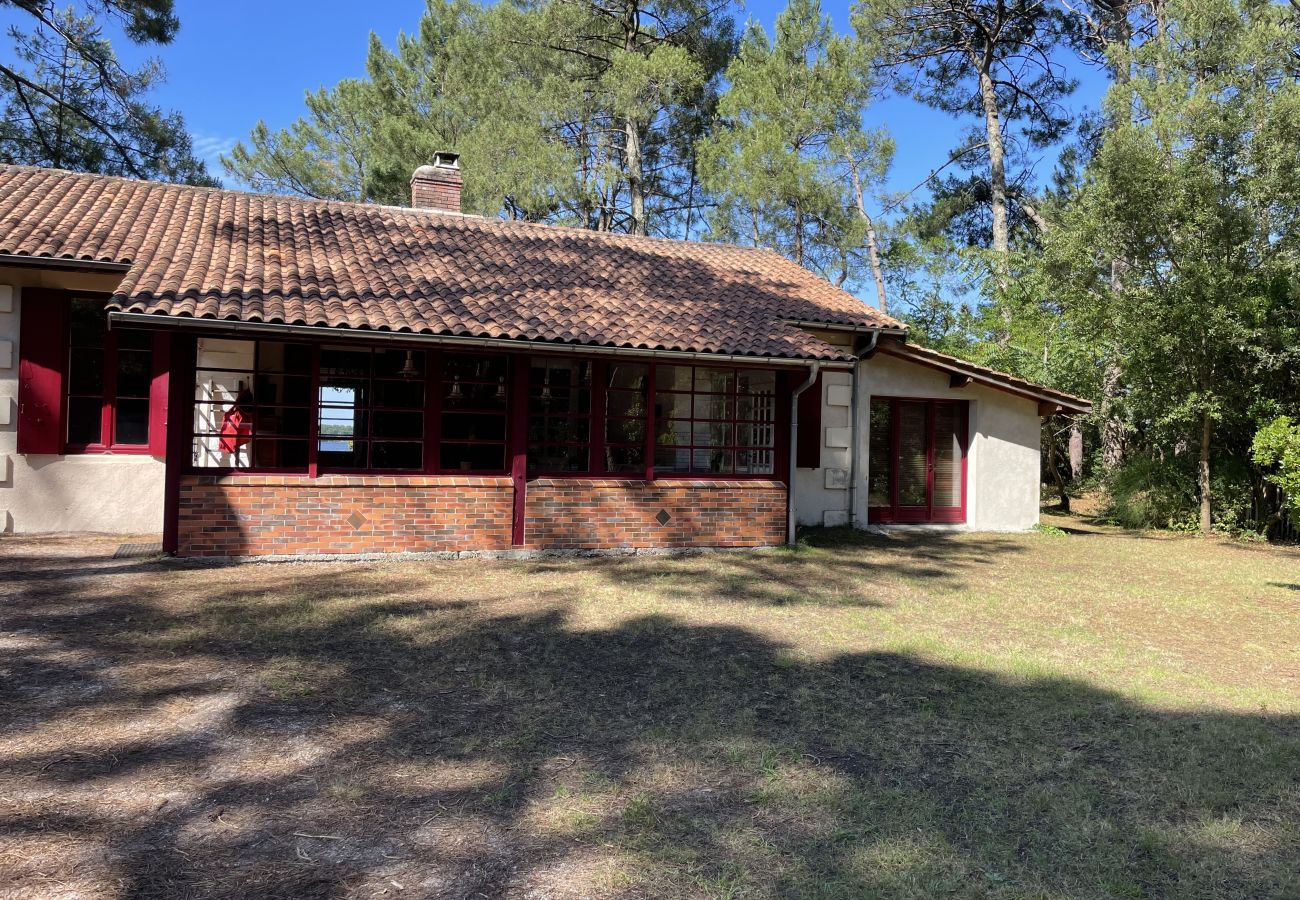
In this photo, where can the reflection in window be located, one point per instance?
(714, 421)
(370, 409)
(559, 416)
(473, 413)
(251, 405)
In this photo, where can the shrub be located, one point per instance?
(1152, 493)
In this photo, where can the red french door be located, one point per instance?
(917, 462)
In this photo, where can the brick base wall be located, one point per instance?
(252, 515)
(260, 515)
(572, 514)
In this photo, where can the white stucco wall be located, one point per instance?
(81, 492)
(1002, 467)
(821, 494)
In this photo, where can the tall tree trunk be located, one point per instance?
(1112, 428)
(798, 232)
(1203, 471)
(1076, 450)
(1001, 237)
(873, 252)
(635, 176)
(1053, 465)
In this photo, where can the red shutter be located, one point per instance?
(808, 443)
(162, 351)
(41, 350)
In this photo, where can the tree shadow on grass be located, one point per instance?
(307, 733)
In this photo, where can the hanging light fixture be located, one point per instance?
(455, 388)
(408, 369)
(501, 387)
(546, 386)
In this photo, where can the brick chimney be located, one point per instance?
(438, 186)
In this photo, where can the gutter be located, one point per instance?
(840, 326)
(224, 326)
(794, 449)
(53, 262)
(856, 420)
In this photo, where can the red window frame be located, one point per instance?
(894, 513)
(108, 395)
(371, 408)
(541, 415)
(258, 371)
(731, 419)
(512, 377)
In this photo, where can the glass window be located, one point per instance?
(626, 389)
(472, 398)
(559, 416)
(109, 375)
(715, 421)
(252, 405)
(370, 409)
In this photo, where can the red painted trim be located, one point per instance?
(517, 435)
(927, 514)
(179, 425)
(42, 361)
(158, 393)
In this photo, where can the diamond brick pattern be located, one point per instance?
(356, 520)
(219, 254)
(663, 517)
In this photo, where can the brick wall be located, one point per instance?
(571, 514)
(255, 515)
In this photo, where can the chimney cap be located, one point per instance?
(446, 159)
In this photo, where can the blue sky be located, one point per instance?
(238, 61)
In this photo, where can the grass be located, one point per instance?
(1041, 715)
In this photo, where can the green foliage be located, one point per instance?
(558, 109)
(69, 103)
(1151, 493)
(1276, 447)
(788, 140)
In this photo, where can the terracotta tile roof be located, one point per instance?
(221, 254)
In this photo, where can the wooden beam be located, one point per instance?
(1047, 408)
(958, 380)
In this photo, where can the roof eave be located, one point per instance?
(63, 262)
(1046, 397)
(236, 327)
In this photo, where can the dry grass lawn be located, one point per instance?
(1030, 715)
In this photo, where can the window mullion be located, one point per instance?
(109, 401)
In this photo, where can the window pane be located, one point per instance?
(131, 422)
(129, 339)
(628, 376)
(278, 420)
(392, 455)
(711, 461)
(276, 454)
(755, 435)
(712, 434)
(760, 383)
(462, 395)
(947, 456)
(673, 406)
(84, 423)
(625, 459)
(399, 394)
(340, 453)
(712, 406)
(672, 459)
(86, 372)
(625, 431)
(473, 427)
(89, 323)
(292, 390)
(625, 403)
(912, 454)
(551, 458)
(716, 381)
(273, 356)
(336, 361)
(134, 372)
(672, 378)
(755, 462)
(879, 467)
(474, 457)
(398, 425)
(400, 363)
(473, 368)
(757, 408)
(342, 421)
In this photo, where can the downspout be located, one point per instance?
(794, 448)
(854, 440)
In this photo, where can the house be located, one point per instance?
(257, 375)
